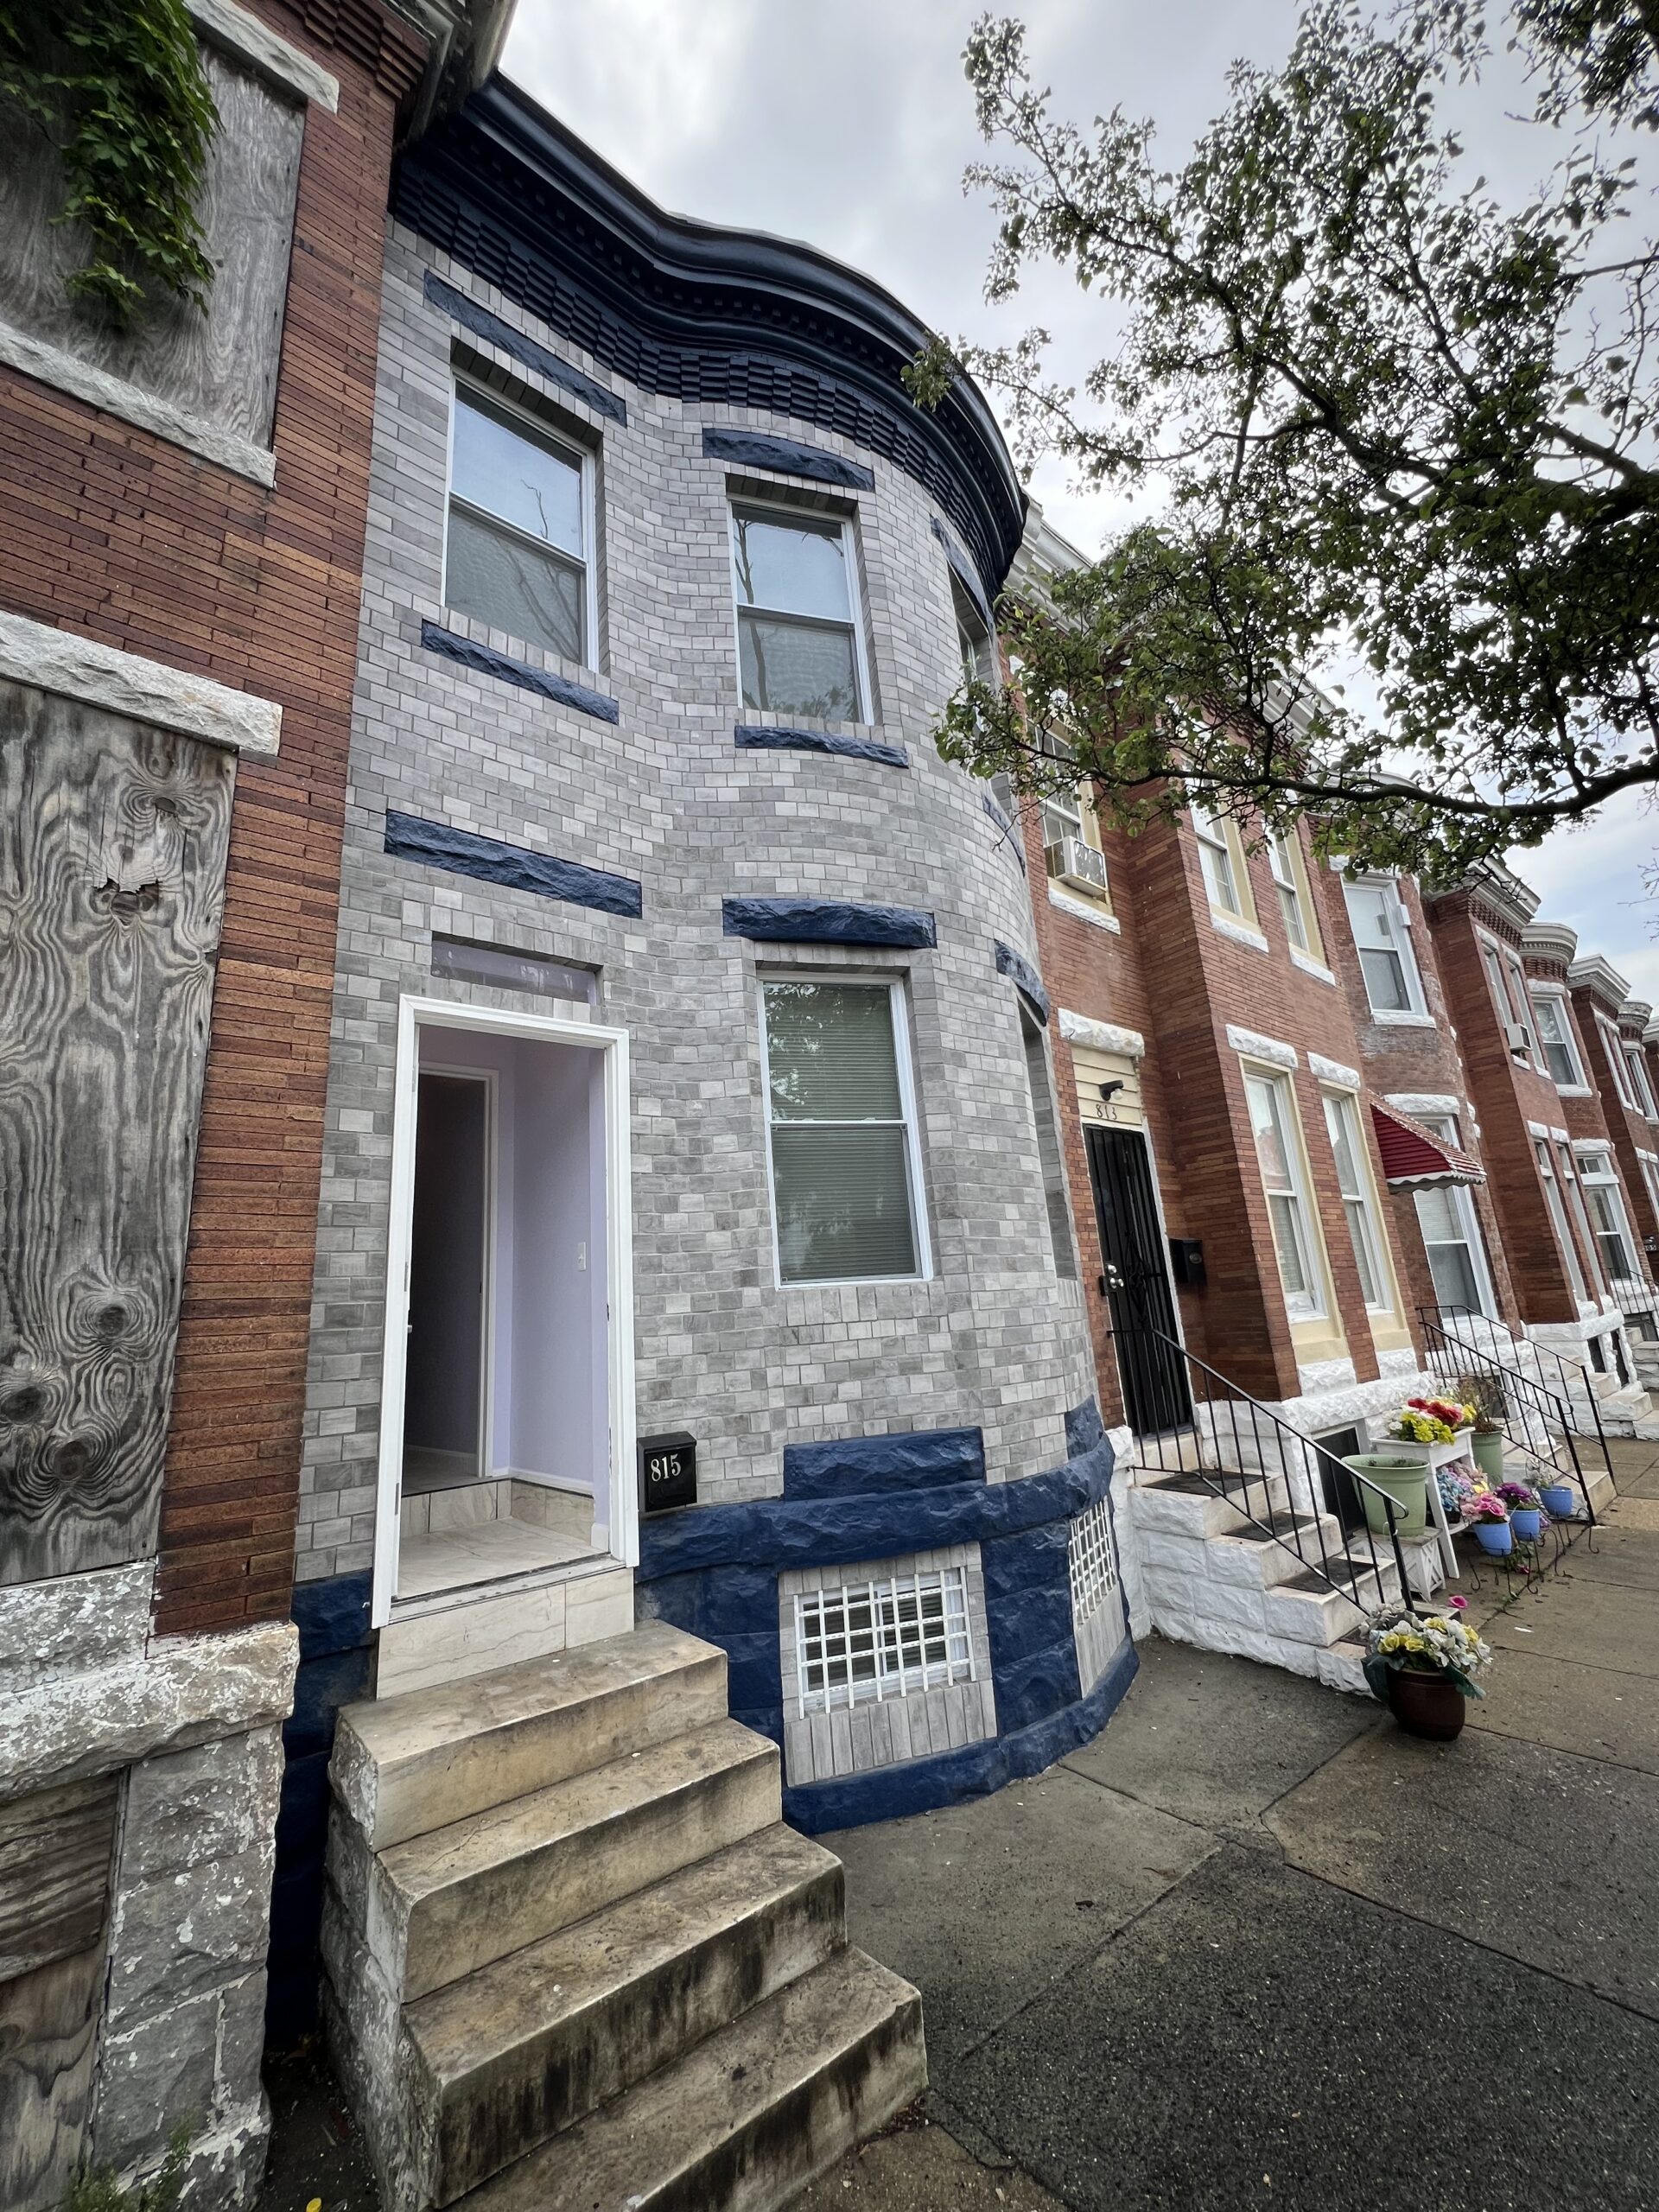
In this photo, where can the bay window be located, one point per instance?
(799, 652)
(846, 1174)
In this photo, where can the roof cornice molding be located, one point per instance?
(1600, 977)
(1550, 941)
(704, 314)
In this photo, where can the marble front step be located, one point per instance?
(442, 1904)
(409, 1764)
(496, 2064)
(744, 2121)
(1192, 1504)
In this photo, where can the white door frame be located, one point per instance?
(486, 1332)
(414, 1014)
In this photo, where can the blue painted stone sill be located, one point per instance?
(769, 737)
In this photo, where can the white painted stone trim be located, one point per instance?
(71, 1622)
(1101, 1036)
(1333, 1073)
(184, 1690)
(281, 63)
(1319, 1375)
(1398, 1018)
(1240, 933)
(73, 667)
(1560, 1135)
(1425, 1102)
(1310, 966)
(1573, 1090)
(1537, 1129)
(1255, 1047)
(116, 396)
(1084, 911)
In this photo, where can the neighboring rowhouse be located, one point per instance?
(691, 1118)
(1624, 1198)
(183, 507)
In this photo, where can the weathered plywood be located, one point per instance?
(222, 365)
(112, 847)
(55, 1850)
(48, 2029)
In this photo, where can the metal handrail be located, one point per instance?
(1532, 1417)
(1544, 1357)
(1248, 1485)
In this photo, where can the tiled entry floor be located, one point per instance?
(477, 1532)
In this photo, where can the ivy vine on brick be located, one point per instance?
(118, 87)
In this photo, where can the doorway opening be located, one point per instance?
(507, 1404)
(1150, 1366)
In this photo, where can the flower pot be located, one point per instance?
(1406, 1480)
(1488, 1453)
(1558, 1500)
(1528, 1523)
(1495, 1536)
(1426, 1704)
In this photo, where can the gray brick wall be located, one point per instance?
(995, 1339)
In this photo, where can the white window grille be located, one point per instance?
(1094, 1570)
(866, 1642)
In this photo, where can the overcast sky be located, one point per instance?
(848, 123)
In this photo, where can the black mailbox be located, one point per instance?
(1187, 1258)
(668, 1470)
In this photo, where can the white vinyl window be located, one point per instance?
(1558, 1218)
(1508, 989)
(1650, 1176)
(864, 1643)
(1635, 1061)
(1354, 1181)
(1554, 1026)
(974, 646)
(1606, 1205)
(1452, 1235)
(1287, 881)
(519, 541)
(1383, 942)
(1218, 862)
(1273, 1125)
(846, 1176)
(1070, 831)
(799, 651)
(1610, 1047)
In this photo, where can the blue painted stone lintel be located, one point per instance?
(764, 737)
(825, 921)
(502, 336)
(754, 449)
(462, 852)
(1020, 971)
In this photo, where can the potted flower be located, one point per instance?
(1526, 1513)
(1486, 1444)
(1490, 1519)
(1457, 1488)
(1558, 1500)
(1399, 1466)
(1423, 1666)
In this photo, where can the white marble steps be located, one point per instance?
(442, 1904)
(409, 1764)
(745, 2119)
(1185, 1504)
(529, 2045)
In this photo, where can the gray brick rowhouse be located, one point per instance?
(690, 1082)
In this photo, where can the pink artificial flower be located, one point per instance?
(1457, 1604)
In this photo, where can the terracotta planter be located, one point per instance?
(1430, 1705)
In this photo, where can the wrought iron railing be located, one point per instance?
(1286, 1485)
(1473, 1357)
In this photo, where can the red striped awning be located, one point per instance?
(1414, 1158)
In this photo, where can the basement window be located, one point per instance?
(865, 1643)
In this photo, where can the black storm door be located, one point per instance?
(1155, 1396)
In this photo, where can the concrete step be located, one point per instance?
(1342, 1667)
(1187, 1504)
(442, 1904)
(407, 1765)
(1308, 1610)
(497, 2063)
(743, 2122)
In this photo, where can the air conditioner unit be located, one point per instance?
(1074, 861)
(1517, 1036)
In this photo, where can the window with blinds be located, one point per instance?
(798, 642)
(516, 548)
(845, 1177)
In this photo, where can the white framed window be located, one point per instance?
(842, 1131)
(1558, 1218)
(1552, 1027)
(1508, 989)
(1284, 860)
(1605, 1202)
(866, 1643)
(1089, 1557)
(1452, 1235)
(1612, 1047)
(1358, 1201)
(518, 536)
(1221, 862)
(975, 649)
(1070, 831)
(800, 647)
(1387, 961)
(1650, 1176)
(1635, 1061)
(1046, 1128)
(1278, 1150)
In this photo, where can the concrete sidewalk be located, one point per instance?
(1253, 1946)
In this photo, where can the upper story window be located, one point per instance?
(1635, 1061)
(1508, 986)
(1558, 1218)
(975, 648)
(1295, 906)
(1070, 832)
(1358, 1199)
(1452, 1237)
(1277, 1152)
(517, 550)
(1580, 1216)
(1608, 1224)
(1612, 1047)
(846, 1174)
(1554, 1028)
(1383, 942)
(1222, 861)
(799, 651)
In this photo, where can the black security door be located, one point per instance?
(1137, 1282)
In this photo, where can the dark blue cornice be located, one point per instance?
(705, 315)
